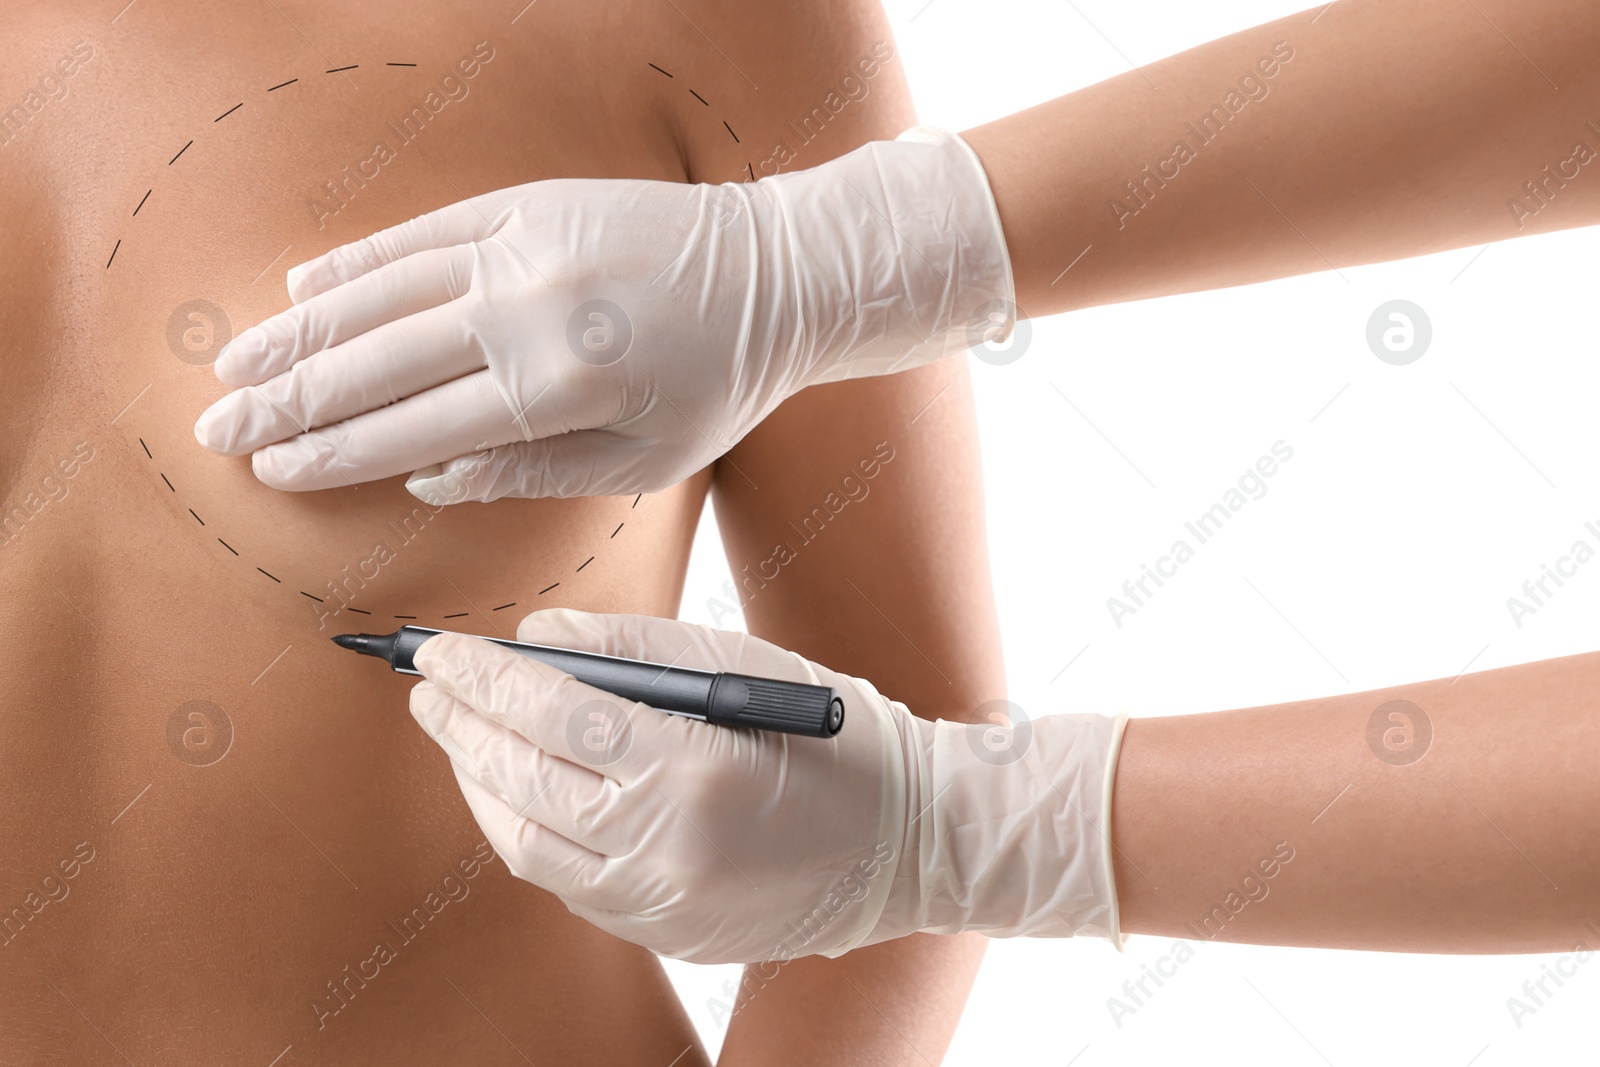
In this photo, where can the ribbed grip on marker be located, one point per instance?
(789, 707)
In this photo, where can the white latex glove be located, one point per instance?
(606, 336)
(716, 844)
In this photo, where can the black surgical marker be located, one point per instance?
(713, 696)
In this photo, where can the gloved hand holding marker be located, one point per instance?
(717, 845)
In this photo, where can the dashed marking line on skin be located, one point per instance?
(225, 114)
(455, 615)
(116, 248)
(749, 167)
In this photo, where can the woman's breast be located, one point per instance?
(294, 161)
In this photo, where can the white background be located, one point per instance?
(1418, 500)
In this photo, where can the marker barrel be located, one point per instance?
(717, 697)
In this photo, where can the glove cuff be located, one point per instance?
(894, 854)
(905, 257)
(1017, 837)
(1108, 784)
(983, 275)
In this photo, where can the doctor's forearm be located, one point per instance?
(1442, 816)
(1368, 132)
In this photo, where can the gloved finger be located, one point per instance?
(635, 923)
(664, 641)
(580, 463)
(457, 224)
(458, 417)
(549, 708)
(537, 853)
(370, 371)
(626, 921)
(391, 292)
(570, 799)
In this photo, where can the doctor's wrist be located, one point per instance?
(1009, 829)
(898, 253)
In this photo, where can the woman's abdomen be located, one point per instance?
(226, 836)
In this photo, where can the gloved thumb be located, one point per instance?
(470, 477)
(581, 463)
(680, 644)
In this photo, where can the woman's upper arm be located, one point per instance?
(796, 84)
(854, 526)
(853, 516)
(853, 522)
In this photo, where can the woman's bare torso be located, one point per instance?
(224, 838)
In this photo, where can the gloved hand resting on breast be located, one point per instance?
(717, 844)
(591, 337)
